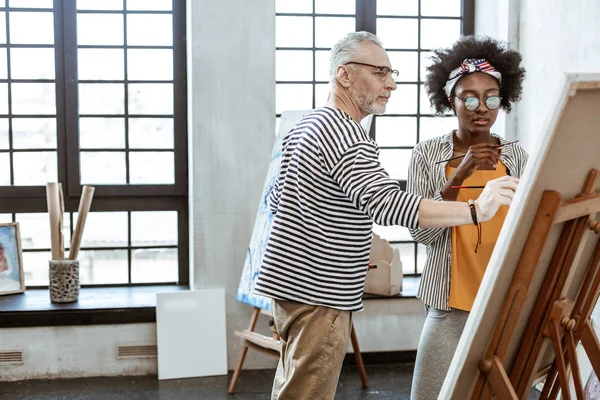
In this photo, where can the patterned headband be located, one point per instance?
(468, 66)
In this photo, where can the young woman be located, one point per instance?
(474, 78)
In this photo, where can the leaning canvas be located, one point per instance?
(568, 149)
(12, 279)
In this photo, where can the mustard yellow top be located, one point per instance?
(468, 267)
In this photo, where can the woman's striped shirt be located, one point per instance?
(330, 189)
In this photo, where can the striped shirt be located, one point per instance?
(330, 189)
(425, 178)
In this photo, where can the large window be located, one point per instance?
(93, 92)
(409, 30)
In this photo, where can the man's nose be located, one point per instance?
(390, 83)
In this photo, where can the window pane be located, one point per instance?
(441, 8)
(153, 228)
(102, 167)
(5, 218)
(395, 7)
(321, 94)
(91, 29)
(150, 64)
(99, 4)
(102, 133)
(436, 126)
(20, 24)
(100, 64)
(101, 98)
(335, 6)
(3, 133)
(406, 62)
(331, 29)
(421, 257)
(395, 162)
(33, 98)
(293, 65)
(392, 233)
(34, 133)
(322, 65)
(396, 131)
(425, 106)
(35, 230)
(152, 167)
(426, 61)
(150, 98)
(151, 133)
(30, 3)
(155, 5)
(3, 64)
(437, 33)
(104, 229)
(4, 169)
(31, 63)
(293, 31)
(398, 33)
(149, 30)
(35, 168)
(2, 27)
(97, 267)
(402, 100)
(3, 98)
(35, 267)
(407, 256)
(296, 6)
(293, 97)
(154, 265)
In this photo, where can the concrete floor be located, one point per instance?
(386, 381)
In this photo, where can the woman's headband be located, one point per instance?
(468, 66)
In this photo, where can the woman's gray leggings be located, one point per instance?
(438, 342)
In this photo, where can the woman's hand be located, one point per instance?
(479, 156)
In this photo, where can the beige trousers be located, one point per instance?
(314, 340)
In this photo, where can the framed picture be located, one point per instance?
(12, 279)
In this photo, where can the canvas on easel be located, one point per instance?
(255, 253)
(543, 279)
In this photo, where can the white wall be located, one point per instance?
(555, 36)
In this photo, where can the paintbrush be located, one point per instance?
(495, 147)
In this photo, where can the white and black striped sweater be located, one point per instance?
(426, 178)
(330, 189)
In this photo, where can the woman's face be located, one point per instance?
(481, 86)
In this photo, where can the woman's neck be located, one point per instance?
(464, 138)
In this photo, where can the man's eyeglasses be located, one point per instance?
(383, 71)
(472, 103)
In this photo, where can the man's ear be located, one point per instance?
(341, 75)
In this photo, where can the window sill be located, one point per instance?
(105, 305)
(410, 285)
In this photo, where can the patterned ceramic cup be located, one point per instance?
(64, 281)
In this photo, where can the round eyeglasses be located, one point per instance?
(383, 72)
(472, 103)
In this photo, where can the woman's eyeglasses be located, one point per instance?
(383, 71)
(472, 103)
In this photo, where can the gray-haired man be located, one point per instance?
(330, 189)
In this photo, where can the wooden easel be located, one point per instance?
(556, 320)
(270, 346)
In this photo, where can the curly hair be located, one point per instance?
(504, 60)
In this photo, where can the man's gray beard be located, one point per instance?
(374, 109)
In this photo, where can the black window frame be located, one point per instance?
(127, 197)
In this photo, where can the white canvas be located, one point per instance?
(568, 147)
(191, 334)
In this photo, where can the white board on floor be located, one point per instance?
(191, 334)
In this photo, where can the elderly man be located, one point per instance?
(330, 189)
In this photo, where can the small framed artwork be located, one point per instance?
(12, 279)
